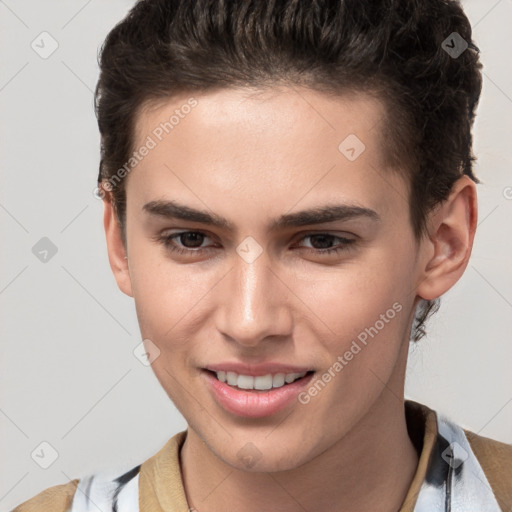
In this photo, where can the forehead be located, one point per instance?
(269, 146)
(261, 113)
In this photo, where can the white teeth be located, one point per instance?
(245, 382)
(232, 378)
(262, 382)
(278, 380)
(290, 377)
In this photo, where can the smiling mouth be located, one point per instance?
(258, 384)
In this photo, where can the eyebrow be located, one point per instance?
(318, 215)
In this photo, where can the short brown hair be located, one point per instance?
(396, 50)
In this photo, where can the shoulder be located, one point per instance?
(54, 499)
(495, 458)
(113, 488)
(103, 490)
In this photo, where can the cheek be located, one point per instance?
(167, 301)
(363, 308)
(365, 330)
(173, 306)
(353, 297)
(164, 292)
(164, 304)
(366, 321)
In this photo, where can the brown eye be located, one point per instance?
(322, 243)
(185, 242)
(193, 238)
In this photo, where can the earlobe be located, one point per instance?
(452, 229)
(115, 247)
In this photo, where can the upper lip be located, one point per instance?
(256, 370)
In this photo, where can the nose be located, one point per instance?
(255, 303)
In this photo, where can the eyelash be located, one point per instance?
(167, 242)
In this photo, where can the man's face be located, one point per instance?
(257, 294)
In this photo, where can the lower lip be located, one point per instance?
(254, 403)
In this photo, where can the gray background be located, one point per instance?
(68, 375)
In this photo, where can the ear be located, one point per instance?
(117, 255)
(447, 250)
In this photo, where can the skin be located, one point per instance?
(251, 156)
